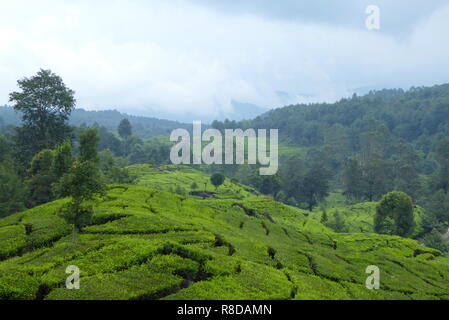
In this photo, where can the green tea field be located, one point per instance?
(146, 242)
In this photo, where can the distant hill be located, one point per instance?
(245, 111)
(419, 115)
(238, 111)
(143, 127)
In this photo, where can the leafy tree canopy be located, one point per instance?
(395, 208)
(125, 128)
(217, 179)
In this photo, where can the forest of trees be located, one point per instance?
(38, 158)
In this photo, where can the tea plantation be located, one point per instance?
(359, 218)
(146, 242)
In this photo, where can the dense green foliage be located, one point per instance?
(371, 145)
(81, 183)
(394, 214)
(125, 129)
(384, 141)
(436, 241)
(305, 184)
(11, 190)
(144, 243)
(45, 103)
(41, 179)
(417, 115)
(217, 179)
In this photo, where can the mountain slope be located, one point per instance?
(417, 116)
(146, 243)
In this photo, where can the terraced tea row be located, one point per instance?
(151, 244)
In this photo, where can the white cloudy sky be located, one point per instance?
(196, 56)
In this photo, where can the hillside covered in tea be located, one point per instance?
(145, 242)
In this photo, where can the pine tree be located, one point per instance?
(125, 129)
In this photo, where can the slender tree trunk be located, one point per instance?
(74, 234)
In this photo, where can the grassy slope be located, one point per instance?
(145, 243)
(358, 218)
(168, 177)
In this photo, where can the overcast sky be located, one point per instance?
(197, 56)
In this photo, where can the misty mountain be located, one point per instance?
(240, 111)
(143, 127)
